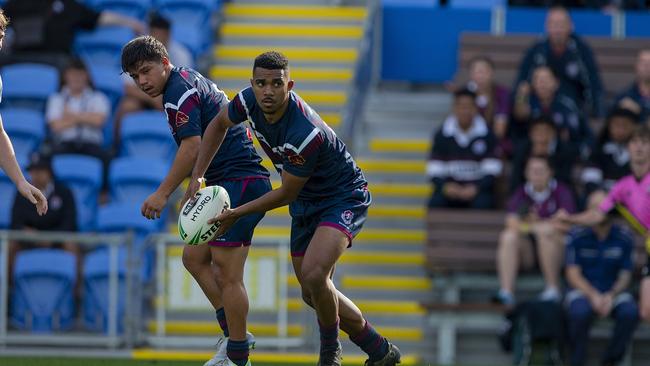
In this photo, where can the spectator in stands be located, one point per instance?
(77, 113)
(606, 5)
(543, 141)
(44, 29)
(464, 163)
(545, 98)
(61, 215)
(528, 221)
(160, 29)
(492, 99)
(637, 97)
(599, 264)
(610, 159)
(570, 58)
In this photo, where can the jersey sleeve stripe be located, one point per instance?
(240, 95)
(185, 95)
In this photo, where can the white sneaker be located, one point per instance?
(550, 294)
(220, 358)
(227, 362)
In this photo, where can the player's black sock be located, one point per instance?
(238, 352)
(221, 318)
(371, 342)
(329, 336)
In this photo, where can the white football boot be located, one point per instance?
(220, 358)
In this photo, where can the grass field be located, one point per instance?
(44, 361)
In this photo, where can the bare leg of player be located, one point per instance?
(645, 299)
(197, 260)
(325, 248)
(230, 265)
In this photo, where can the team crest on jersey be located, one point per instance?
(347, 217)
(294, 158)
(181, 118)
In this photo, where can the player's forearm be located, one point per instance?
(622, 283)
(91, 118)
(8, 158)
(269, 201)
(181, 168)
(579, 282)
(212, 139)
(587, 218)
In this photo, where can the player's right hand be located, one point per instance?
(192, 188)
(34, 196)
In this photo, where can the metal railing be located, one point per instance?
(111, 339)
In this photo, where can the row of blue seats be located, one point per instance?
(130, 180)
(190, 18)
(143, 134)
(42, 298)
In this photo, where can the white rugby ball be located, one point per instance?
(193, 219)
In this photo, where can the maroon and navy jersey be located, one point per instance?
(191, 102)
(526, 200)
(302, 144)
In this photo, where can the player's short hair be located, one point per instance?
(464, 92)
(642, 133)
(142, 49)
(271, 60)
(4, 21)
(156, 20)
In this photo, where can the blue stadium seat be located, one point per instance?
(25, 127)
(7, 192)
(146, 135)
(109, 81)
(190, 21)
(477, 4)
(134, 8)
(28, 85)
(83, 175)
(134, 179)
(103, 46)
(96, 271)
(122, 217)
(42, 298)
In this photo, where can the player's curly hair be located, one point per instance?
(271, 60)
(4, 21)
(142, 49)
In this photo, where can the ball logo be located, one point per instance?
(347, 216)
(191, 203)
(200, 207)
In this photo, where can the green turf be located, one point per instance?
(45, 361)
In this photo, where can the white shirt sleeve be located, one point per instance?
(54, 108)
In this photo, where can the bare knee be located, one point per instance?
(306, 297)
(193, 263)
(508, 239)
(314, 278)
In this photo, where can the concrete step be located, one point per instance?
(334, 55)
(312, 97)
(340, 75)
(304, 13)
(300, 31)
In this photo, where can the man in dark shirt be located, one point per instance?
(637, 97)
(463, 163)
(599, 264)
(44, 30)
(61, 215)
(570, 58)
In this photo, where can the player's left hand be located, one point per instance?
(153, 206)
(227, 219)
(34, 196)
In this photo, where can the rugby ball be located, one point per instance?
(193, 226)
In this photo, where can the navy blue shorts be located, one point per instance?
(346, 214)
(241, 191)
